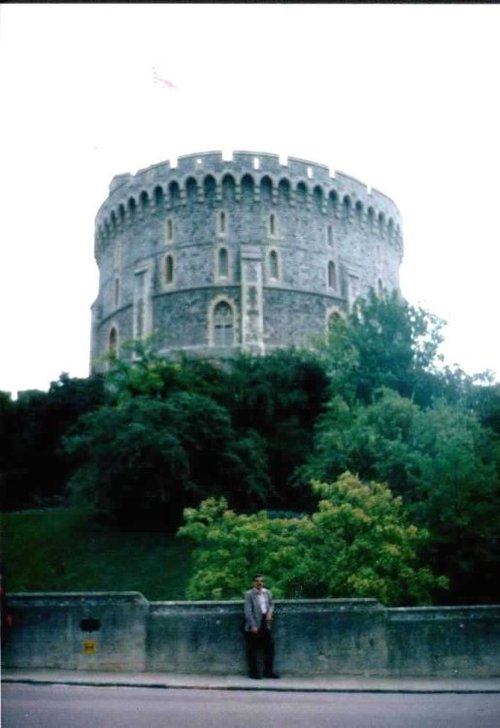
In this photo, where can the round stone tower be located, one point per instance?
(219, 256)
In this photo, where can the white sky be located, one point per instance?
(403, 97)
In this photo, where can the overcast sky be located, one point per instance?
(403, 97)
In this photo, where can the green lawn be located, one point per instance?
(62, 550)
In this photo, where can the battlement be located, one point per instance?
(257, 168)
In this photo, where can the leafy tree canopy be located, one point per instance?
(385, 342)
(441, 460)
(150, 457)
(357, 544)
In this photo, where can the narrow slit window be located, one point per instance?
(272, 224)
(273, 265)
(113, 342)
(170, 230)
(332, 275)
(223, 263)
(169, 269)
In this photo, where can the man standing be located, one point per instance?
(258, 618)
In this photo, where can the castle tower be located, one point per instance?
(219, 256)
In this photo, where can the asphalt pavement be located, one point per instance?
(332, 684)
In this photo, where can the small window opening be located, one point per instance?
(169, 269)
(332, 275)
(113, 342)
(273, 265)
(256, 163)
(170, 230)
(223, 263)
(272, 224)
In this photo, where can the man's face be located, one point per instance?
(258, 583)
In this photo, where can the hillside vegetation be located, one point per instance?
(60, 549)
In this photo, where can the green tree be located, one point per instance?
(147, 458)
(455, 467)
(34, 470)
(444, 464)
(357, 544)
(385, 342)
(278, 396)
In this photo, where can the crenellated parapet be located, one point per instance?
(208, 177)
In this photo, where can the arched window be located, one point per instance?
(390, 228)
(301, 194)
(209, 189)
(333, 201)
(381, 223)
(346, 206)
(359, 211)
(284, 192)
(332, 275)
(266, 189)
(318, 198)
(113, 342)
(333, 319)
(228, 189)
(223, 263)
(175, 193)
(329, 234)
(121, 215)
(117, 292)
(169, 269)
(144, 200)
(159, 197)
(223, 324)
(247, 189)
(191, 190)
(132, 208)
(273, 265)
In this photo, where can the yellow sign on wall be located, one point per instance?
(89, 647)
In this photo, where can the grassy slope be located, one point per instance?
(61, 550)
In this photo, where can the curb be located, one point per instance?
(253, 688)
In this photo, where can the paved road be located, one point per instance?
(46, 706)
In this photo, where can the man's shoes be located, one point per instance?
(254, 676)
(271, 675)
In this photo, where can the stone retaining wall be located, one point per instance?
(124, 632)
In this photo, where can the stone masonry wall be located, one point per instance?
(169, 243)
(313, 637)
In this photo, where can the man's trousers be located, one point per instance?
(262, 640)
